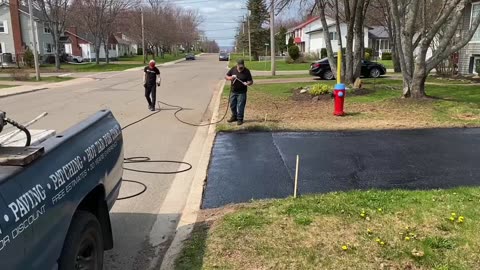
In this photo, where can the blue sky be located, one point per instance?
(220, 17)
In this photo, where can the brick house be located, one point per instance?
(469, 56)
(15, 30)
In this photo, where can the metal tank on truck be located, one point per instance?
(56, 192)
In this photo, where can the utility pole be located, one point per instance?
(272, 37)
(35, 53)
(249, 38)
(143, 39)
(243, 36)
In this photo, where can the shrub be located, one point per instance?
(20, 75)
(368, 56)
(139, 51)
(369, 50)
(386, 56)
(294, 52)
(477, 67)
(28, 58)
(323, 53)
(319, 89)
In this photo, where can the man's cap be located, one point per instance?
(240, 62)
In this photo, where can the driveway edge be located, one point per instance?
(194, 200)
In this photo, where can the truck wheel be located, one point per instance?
(83, 247)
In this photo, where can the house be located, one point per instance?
(379, 40)
(126, 46)
(309, 36)
(83, 46)
(469, 56)
(15, 30)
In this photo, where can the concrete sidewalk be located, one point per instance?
(29, 87)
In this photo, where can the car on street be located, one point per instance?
(223, 56)
(189, 56)
(321, 68)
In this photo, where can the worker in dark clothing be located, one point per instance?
(151, 80)
(241, 78)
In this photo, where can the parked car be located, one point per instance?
(189, 56)
(74, 59)
(321, 68)
(223, 57)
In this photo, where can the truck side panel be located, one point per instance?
(77, 161)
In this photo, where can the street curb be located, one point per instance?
(24, 92)
(42, 87)
(194, 199)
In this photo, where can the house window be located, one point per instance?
(475, 13)
(48, 48)
(3, 27)
(333, 36)
(46, 28)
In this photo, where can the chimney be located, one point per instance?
(72, 29)
(16, 26)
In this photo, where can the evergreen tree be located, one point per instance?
(280, 39)
(259, 35)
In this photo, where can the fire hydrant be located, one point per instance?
(339, 95)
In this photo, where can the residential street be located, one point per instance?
(143, 225)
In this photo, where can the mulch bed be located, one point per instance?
(306, 97)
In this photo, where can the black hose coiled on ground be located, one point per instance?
(22, 128)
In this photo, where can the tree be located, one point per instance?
(259, 35)
(350, 12)
(418, 24)
(294, 52)
(55, 13)
(280, 39)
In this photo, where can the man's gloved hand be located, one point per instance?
(158, 84)
(245, 83)
(234, 76)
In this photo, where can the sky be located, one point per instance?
(220, 17)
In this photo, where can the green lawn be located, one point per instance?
(266, 66)
(435, 229)
(287, 76)
(6, 86)
(387, 63)
(158, 59)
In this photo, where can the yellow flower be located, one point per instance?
(452, 218)
(407, 228)
(362, 214)
(407, 238)
(382, 243)
(380, 210)
(344, 248)
(453, 214)
(378, 240)
(369, 231)
(461, 219)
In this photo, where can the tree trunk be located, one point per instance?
(97, 53)
(57, 54)
(418, 81)
(395, 60)
(107, 53)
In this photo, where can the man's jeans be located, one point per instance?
(151, 94)
(237, 104)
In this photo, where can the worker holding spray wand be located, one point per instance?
(151, 80)
(241, 78)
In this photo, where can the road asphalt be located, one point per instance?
(143, 226)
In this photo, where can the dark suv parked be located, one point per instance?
(321, 68)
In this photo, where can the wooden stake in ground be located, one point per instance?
(296, 178)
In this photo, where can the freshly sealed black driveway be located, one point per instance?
(247, 166)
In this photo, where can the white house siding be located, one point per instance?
(317, 41)
(42, 38)
(6, 39)
(88, 52)
(471, 52)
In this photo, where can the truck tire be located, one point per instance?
(83, 246)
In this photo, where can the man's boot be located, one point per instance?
(232, 119)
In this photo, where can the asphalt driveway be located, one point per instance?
(247, 166)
